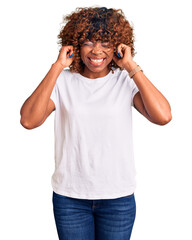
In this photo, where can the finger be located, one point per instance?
(119, 50)
(66, 49)
(71, 55)
(70, 52)
(62, 51)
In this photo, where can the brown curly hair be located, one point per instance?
(98, 23)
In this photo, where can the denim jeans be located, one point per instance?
(103, 219)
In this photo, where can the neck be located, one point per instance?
(87, 73)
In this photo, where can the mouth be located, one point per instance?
(96, 61)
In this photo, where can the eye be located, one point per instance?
(105, 45)
(88, 43)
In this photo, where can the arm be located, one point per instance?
(38, 106)
(148, 101)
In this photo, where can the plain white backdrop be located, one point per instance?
(163, 155)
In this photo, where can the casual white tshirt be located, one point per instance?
(93, 135)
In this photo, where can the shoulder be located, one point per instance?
(124, 78)
(122, 75)
(65, 73)
(64, 76)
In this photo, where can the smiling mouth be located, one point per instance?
(96, 61)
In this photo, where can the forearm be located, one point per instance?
(156, 105)
(34, 108)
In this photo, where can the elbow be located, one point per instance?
(165, 120)
(26, 124)
(23, 121)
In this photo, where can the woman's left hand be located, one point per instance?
(125, 57)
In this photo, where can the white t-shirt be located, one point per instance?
(93, 135)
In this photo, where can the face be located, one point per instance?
(96, 57)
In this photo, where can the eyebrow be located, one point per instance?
(106, 42)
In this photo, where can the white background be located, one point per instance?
(163, 156)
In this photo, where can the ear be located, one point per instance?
(115, 58)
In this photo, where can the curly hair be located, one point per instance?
(98, 23)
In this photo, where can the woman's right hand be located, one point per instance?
(39, 106)
(65, 57)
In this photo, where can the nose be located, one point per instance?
(97, 48)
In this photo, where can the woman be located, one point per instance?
(94, 178)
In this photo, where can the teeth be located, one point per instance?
(96, 60)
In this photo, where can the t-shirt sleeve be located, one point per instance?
(134, 90)
(53, 96)
(55, 93)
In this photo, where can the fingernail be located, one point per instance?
(118, 56)
(71, 55)
(117, 51)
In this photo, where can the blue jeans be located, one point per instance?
(103, 219)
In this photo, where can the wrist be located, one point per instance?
(129, 66)
(59, 65)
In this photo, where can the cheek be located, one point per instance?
(111, 56)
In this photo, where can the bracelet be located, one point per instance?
(134, 71)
